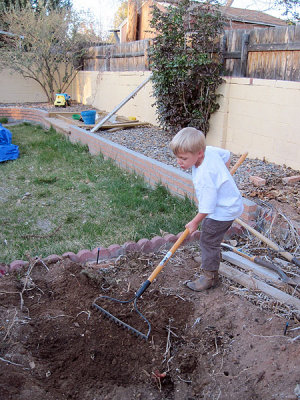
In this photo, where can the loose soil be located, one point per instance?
(211, 345)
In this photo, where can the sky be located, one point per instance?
(103, 10)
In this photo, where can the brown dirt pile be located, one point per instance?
(211, 345)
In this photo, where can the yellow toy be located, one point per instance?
(62, 100)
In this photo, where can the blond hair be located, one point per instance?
(188, 140)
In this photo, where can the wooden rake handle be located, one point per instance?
(168, 255)
(163, 262)
(238, 163)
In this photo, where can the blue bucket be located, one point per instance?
(89, 117)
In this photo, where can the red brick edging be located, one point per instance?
(145, 246)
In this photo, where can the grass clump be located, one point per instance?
(56, 197)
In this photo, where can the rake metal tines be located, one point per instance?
(120, 322)
(141, 290)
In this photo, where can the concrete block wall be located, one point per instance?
(256, 115)
(263, 119)
(16, 89)
(106, 90)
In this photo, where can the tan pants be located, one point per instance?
(212, 234)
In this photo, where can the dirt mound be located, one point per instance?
(212, 345)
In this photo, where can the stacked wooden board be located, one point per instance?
(116, 123)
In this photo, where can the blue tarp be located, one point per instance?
(8, 151)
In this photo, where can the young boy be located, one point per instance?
(219, 200)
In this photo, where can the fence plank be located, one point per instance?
(244, 53)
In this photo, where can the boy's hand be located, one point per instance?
(194, 223)
(192, 226)
(228, 163)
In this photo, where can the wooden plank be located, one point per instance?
(255, 284)
(71, 121)
(120, 125)
(297, 33)
(117, 55)
(123, 123)
(248, 265)
(273, 53)
(132, 18)
(69, 114)
(244, 53)
(101, 114)
(274, 47)
(117, 126)
(232, 55)
(53, 114)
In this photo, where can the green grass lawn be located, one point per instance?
(56, 197)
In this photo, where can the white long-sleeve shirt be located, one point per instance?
(216, 191)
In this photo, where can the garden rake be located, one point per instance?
(148, 282)
(141, 290)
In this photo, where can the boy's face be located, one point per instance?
(187, 160)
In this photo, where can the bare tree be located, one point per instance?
(47, 47)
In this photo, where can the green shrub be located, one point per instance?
(186, 64)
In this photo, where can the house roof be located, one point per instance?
(240, 14)
(251, 16)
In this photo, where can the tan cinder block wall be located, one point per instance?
(259, 116)
(256, 115)
(15, 89)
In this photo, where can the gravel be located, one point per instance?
(149, 141)
(154, 143)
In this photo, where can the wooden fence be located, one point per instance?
(272, 53)
(266, 53)
(131, 56)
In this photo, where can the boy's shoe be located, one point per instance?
(208, 280)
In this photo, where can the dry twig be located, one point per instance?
(10, 326)
(12, 363)
(167, 353)
(32, 264)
